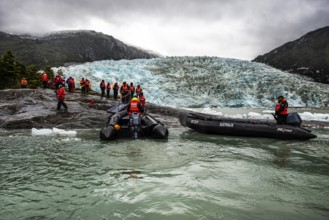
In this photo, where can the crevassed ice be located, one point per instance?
(204, 82)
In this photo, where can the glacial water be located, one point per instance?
(189, 176)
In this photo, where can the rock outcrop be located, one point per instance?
(28, 108)
(308, 56)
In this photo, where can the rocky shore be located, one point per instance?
(36, 108)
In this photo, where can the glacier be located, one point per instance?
(202, 82)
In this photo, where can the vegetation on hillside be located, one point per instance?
(12, 71)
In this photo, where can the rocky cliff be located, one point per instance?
(68, 47)
(308, 56)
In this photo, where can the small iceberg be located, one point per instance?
(52, 132)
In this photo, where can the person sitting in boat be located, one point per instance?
(281, 110)
(135, 106)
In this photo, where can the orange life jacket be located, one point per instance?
(285, 110)
(82, 82)
(134, 106)
(115, 86)
(108, 87)
(138, 90)
(103, 85)
(142, 100)
(24, 82)
(132, 88)
(124, 88)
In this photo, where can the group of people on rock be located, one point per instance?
(128, 93)
(85, 86)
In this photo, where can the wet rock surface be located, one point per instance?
(25, 109)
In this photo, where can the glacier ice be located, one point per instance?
(204, 82)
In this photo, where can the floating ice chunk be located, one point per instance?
(45, 132)
(64, 132)
(52, 132)
(308, 116)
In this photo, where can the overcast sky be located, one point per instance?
(239, 29)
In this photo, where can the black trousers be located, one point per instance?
(281, 119)
(44, 84)
(103, 91)
(115, 94)
(61, 103)
(108, 93)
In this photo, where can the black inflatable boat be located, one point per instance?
(246, 127)
(120, 125)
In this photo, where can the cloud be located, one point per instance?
(227, 28)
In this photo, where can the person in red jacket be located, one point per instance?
(132, 90)
(60, 97)
(142, 99)
(135, 106)
(102, 85)
(115, 90)
(23, 83)
(71, 84)
(138, 90)
(124, 90)
(44, 79)
(281, 110)
(108, 89)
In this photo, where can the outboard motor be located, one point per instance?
(293, 119)
(135, 125)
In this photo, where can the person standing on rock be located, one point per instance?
(108, 89)
(23, 83)
(124, 90)
(142, 99)
(102, 85)
(44, 79)
(115, 90)
(83, 86)
(60, 97)
(87, 86)
(138, 90)
(132, 90)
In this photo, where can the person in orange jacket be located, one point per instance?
(23, 83)
(135, 106)
(60, 97)
(71, 84)
(115, 90)
(138, 90)
(132, 90)
(83, 85)
(102, 85)
(142, 99)
(108, 89)
(281, 110)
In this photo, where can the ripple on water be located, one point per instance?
(190, 176)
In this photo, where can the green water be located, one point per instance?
(190, 176)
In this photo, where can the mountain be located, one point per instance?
(308, 56)
(56, 49)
